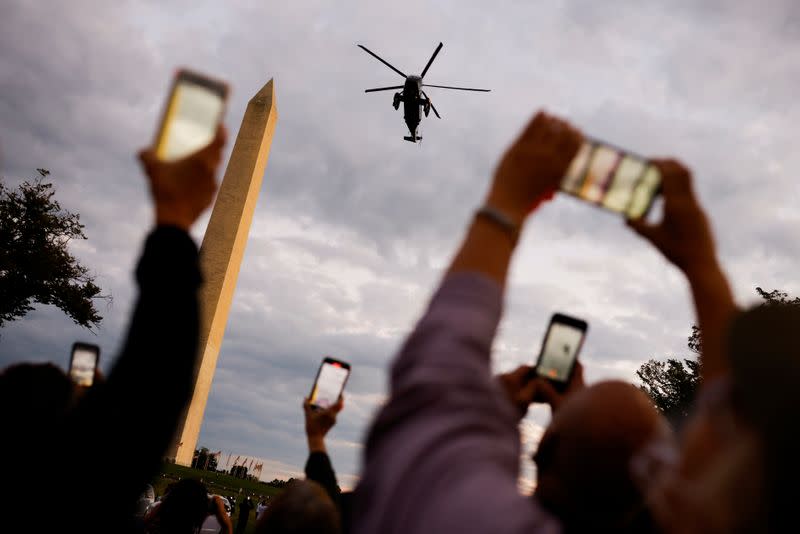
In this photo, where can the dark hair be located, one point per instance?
(182, 510)
(764, 347)
(34, 397)
(304, 507)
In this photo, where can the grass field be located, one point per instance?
(219, 484)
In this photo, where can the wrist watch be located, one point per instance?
(500, 219)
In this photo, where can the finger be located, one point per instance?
(548, 392)
(147, 157)
(675, 177)
(534, 128)
(528, 392)
(644, 229)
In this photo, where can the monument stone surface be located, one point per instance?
(222, 251)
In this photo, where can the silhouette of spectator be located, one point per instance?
(184, 509)
(304, 507)
(583, 458)
(102, 448)
(443, 453)
(737, 467)
(244, 514)
(318, 466)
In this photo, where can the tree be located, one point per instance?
(35, 263)
(204, 459)
(672, 383)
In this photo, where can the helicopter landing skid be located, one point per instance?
(409, 138)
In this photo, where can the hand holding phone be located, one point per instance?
(613, 179)
(182, 166)
(192, 115)
(83, 363)
(560, 349)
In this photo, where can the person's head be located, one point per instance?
(739, 449)
(34, 397)
(583, 460)
(303, 508)
(183, 509)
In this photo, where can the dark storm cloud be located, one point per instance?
(354, 225)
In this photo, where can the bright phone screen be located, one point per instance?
(559, 352)
(330, 383)
(613, 179)
(191, 120)
(83, 364)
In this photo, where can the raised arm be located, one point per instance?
(318, 466)
(128, 421)
(443, 453)
(528, 174)
(684, 237)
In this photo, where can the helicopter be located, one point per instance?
(412, 96)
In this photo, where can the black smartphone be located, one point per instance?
(83, 363)
(560, 349)
(613, 179)
(192, 114)
(329, 384)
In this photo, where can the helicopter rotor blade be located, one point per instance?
(376, 56)
(383, 88)
(456, 88)
(435, 52)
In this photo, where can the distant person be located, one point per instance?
(304, 507)
(244, 514)
(261, 508)
(107, 451)
(443, 453)
(184, 509)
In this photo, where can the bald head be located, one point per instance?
(303, 508)
(584, 456)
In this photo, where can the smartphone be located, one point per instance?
(329, 384)
(560, 349)
(192, 114)
(613, 179)
(83, 363)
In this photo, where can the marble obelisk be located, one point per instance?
(221, 254)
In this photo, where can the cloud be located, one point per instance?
(354, 226)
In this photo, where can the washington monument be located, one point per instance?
(221, 254)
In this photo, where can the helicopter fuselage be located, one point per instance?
(412, 105)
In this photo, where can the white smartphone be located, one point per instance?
(329, 384)
(192, 114)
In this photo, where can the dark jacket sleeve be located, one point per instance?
(119, 433)
(320, 470)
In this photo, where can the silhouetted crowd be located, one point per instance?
(442, 455)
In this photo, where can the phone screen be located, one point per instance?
(330, 383)
(613, 179)
(192, 114)
(84, 362)
(561, 347)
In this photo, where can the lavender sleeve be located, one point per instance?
(443, 454)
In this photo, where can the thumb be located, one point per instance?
(644, 229)
(548, 393)
(147, 157)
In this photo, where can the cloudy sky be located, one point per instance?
(354, 225)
